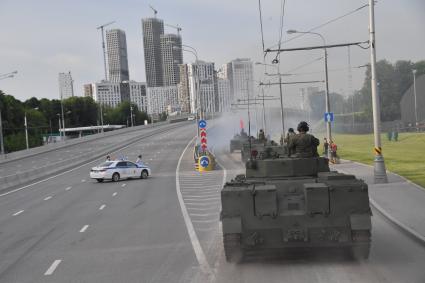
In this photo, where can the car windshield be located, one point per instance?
(105, 164)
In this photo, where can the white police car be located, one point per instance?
(119, 169)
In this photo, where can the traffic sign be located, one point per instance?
(204, 146)
(202, 124)
(329, 116)
(203, 134)
(204, 140)
(204, 161)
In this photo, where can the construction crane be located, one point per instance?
(177, 27)
(154, 11)
(103, 46)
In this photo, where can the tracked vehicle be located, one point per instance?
(238, 140)
(289, 204)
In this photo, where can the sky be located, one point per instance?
(41, 38)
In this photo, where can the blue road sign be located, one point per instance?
(202, 124)
(329, 116)
(205, 161)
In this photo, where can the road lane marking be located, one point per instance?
(78, 167)
(68, 188)
(102, 207)
(206, 221)
(196, 245)
(202, 200)
(19, 212)
(53, 267)
(83, 180)
(47, 198)
(123, 185)
(114, 194)
(84, 228)
(203, 214)
(203, 208)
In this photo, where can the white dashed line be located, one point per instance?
(202, 209)
(102, 207)
(19, 212)
(205, 221)
(84, 228)
(203, 214)
(68, 188)
(47, 198)
(83, 180)
(53, 267)
(123, 185)
(114, 194)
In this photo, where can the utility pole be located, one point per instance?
(131, 114)
(282, 113)
(379, 165)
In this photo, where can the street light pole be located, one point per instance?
(1, 136)
(26, 130)
(414, 94)
(327, 100)
(379, 165)
(131, 116)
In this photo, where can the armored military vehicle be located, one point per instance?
(289, 204)
(260, 148)
(238, 140)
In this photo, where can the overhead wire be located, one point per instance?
(322, 25)
(282, 16)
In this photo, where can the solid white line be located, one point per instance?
(53, 267)
(199, 253)
(47, 198)
(65, 172)
(102, 207)
(19, 212)
(84, 228)
(68, 188)
(123, 185)
(114, 194)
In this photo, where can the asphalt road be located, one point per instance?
(60, 154)
(73, 229)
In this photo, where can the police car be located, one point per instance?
(119, 169)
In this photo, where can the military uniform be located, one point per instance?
(261, 136)
(303, 145)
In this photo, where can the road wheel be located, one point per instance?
(115, 177)
(232, 247)
(144, 174)
(100, 180)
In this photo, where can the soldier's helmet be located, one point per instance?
(303, 127)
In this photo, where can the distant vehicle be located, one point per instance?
(191, 118)
(119, 169)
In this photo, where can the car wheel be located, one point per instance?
(144, 174)
(100, 180)
(115, 177)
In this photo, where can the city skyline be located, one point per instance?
(84, 58)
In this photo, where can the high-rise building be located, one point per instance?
(202, 86)
(153, 28)
(88, 90)
(241, 76)
(66, 85)
(159, 98)
(172, 57)
(107, 93)
(183, 88)
(223, 94)
(138, 95)
(117, 55)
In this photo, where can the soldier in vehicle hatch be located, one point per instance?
(303, 144)
(262, 136)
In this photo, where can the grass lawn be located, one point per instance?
(405, 157)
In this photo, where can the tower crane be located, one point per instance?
(177, 27)
(154, 11)
(103, 45)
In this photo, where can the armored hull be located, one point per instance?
(237, 142)
(287, 204)
(262, 149)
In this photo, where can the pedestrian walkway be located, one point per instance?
(400, 200)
